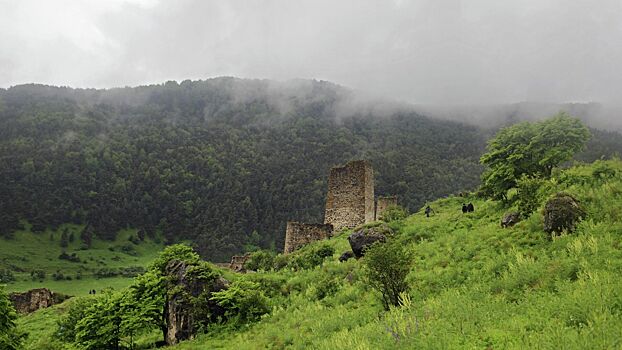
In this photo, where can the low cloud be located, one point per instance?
(421, 52)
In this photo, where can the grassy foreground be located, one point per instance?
(473, 284)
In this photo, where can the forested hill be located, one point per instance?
(223, 162)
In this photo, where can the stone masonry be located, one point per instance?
(298, 234)
(350, 199)
(383, 203)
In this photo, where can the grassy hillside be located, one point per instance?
(26, 252)
(473, 284)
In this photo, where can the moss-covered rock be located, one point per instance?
(562, 212)
(365, 236)
(510, 219)
(189, 289)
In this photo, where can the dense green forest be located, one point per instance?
(222, 162)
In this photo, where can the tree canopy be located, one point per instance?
(210, 161)
(531, 149)
(10, 337)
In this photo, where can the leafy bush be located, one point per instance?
(11, 338)
(260, 260)
(528, 197)
(128, 249)
(386, 267)
(6, 276)
(280, 261)
(77, 310)
(326, 286)
(111, 322)
(58, 276)
(394, 213)
(244, 301)
(73, 257)
(603, 171)
(530, 148)
(310, 257)
(37, 274)
(180, 252)
(272, 285)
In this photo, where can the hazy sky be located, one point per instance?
(424, 51)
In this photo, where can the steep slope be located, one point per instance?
(473, 284)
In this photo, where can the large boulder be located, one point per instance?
(364, 237)
(186, 282)
(510, 219)
(35, 299)
(562, 212)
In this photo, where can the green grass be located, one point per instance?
(28, 251)
(473, 284)
(41, 326)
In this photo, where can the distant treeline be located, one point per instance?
(223, 162)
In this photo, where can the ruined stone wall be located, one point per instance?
(299, 234)
(383, 203)
(350, 198)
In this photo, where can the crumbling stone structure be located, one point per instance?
(35, 299)
(350, 198)
(298, 234)
(383, 203)
(238, 261)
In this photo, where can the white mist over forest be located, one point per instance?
(426, 52)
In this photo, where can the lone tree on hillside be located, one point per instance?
(386, 267)
(530, 148)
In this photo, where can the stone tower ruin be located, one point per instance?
(299, 234)
(350, 199)
(383, 203)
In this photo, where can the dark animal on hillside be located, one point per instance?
(470, 207)
(346, 255)
(464, 208)
(428, 210)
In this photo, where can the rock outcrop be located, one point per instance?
(366, 236)
(510, 219)
(186, 282)
(35, 299)
(562, 212)
(238, 261)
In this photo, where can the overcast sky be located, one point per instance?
(423, 51)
